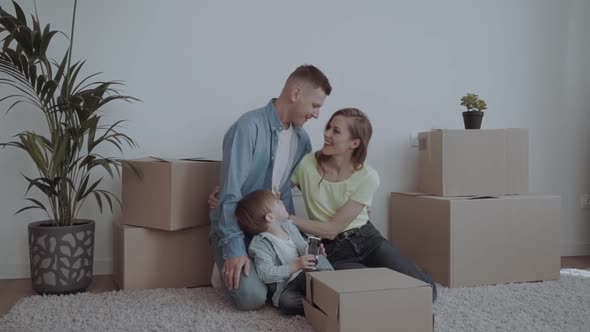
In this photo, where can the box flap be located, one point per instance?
(410, 193)
(419, 194)
(450, 130)
(347, 281)
(499, 198)
(176, 160)
(318, 319)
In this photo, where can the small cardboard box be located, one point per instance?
(373, 299)
(151, 258)
(462, 241)
(473, 162)
(171, 194)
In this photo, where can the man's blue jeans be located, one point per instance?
(367, 248)
(251, 293)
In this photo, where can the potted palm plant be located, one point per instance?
(474, 114)
(61, 248)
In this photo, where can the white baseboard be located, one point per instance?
(22, 271)
(578, 249)
(105, 266)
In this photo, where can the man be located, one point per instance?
(260, 151)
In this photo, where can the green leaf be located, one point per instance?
(58, 157)
(60, 70)
(109, 196)
(84, 80)
(43, 184)
(37, 203)
(8, 97)
(106, 196)
(40, 82)
(24, 61)
(36, 25)
(48, 91)
(28, 208)
(105, 163)
(46, 40)
(32, 74)
(9, 23)
(20, 14)
(82, 187)
(99, 201)
(70, 74)
(96, 183)
(14, 144)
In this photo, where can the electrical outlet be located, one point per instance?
(585, 201)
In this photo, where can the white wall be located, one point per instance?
(197, 65)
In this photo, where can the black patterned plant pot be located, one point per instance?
(61, 257)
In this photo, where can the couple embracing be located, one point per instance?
(257, 240)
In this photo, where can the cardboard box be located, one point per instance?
(464, 241)
(367, 300)
(473, 162)
(171, 195)
(150, 258)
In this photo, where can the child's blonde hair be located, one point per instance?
(252, 209)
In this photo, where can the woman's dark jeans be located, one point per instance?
(367, 248)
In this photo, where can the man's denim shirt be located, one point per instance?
(249, 148)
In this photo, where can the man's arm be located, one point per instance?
(238, 148)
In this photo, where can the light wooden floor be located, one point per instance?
(12, 290)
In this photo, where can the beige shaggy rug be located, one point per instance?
(560, 305)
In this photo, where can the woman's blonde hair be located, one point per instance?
(359, 128)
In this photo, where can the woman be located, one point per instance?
(338, 188)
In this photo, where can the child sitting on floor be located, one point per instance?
(278, 249)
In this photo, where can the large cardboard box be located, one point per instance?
(171, 194)
(151, 258)
(463, 241)
(367, 300)
(473, 162)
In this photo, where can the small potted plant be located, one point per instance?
(66, 153)
(474, 114)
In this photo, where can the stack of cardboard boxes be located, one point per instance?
(474, 221)
(162, 240)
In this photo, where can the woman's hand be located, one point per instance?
(214, 198)
(329, 230)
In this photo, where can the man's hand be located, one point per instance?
(232, 270)
(322, 249)
(214, 198)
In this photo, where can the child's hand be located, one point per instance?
(305, 262)
(322, 250)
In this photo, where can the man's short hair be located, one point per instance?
(312, 75)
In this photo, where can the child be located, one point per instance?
(278, 249)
